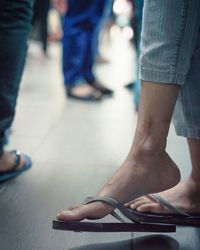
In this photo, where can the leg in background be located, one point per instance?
(14, 29)
(78, 28)
(89, 60)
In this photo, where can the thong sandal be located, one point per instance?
(14, 171)
(128, 223)
(176, 217)
(93, 96)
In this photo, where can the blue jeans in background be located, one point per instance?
(15, 24)
(79, 27)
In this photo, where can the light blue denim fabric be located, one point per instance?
(170, 53)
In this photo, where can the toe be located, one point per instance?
(150, 208)
(76, 214)
(133, 204)
(139, 203)
(91, 211)
(68, 215)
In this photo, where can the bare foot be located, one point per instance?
(85, 89)
(184, 196)
(7, 161)
(142, 173)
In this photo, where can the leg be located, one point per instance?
(185, 195)
(148, 163)
(14, 29)
(77, 29)
(43, 9)
(87, 66)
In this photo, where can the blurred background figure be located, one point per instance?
(15, 20)
(137, 30)
(81, 27)
(136, 24)
(40, 23)
(102, 30)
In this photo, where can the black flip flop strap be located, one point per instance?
(168, 205)
(116, 205)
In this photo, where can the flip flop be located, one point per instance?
(93, 96)
(128, 223)
(98, 86)
(176, 217)
(14, 171)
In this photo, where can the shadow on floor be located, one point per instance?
(153, 242)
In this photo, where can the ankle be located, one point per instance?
(193, 181)
(149, 141)
(148, 147)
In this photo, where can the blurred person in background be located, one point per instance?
(15, 25)
(136, 24)
(80, 24)
(138, 29)
(104, 25)
(40, 22)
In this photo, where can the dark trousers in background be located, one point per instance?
(79, 26)
(40, 21)
(15, 24)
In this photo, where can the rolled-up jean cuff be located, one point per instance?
(188, 132)
(161, 77)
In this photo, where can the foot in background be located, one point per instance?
(100, 87)
(13, 163)
(84, 92)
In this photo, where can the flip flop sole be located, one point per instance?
(111, 227)
(10, 175)
(178, 220)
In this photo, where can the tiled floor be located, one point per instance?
(75, 147)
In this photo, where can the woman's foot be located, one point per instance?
(8, 161)
(84, 92)
(100, 87)
(184, 196)
(143, 172)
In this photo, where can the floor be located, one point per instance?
(75, 147)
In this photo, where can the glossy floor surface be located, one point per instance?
(75, 147)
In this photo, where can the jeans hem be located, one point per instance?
(188, 132)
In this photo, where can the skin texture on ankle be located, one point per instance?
(156, 107)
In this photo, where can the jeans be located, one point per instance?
(170, 54)
(15, 24)
(79, 26)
